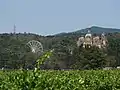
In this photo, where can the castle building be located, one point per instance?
(90, 40)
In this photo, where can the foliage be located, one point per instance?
(88, 58)
(44, 57)
(60, 80)
(114, 49)
(15, 53)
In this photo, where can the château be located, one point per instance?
(91, 40)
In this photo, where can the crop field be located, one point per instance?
(60, 80)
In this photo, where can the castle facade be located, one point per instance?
(90, 40)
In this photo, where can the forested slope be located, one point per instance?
(14, 53)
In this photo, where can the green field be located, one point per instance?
(60, 80)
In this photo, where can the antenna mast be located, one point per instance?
(14, 29)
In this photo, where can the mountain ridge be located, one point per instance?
(93, 29)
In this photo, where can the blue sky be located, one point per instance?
(46, 17)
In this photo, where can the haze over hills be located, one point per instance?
(93, 29)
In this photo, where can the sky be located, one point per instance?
(47, 17)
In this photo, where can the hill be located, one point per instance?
(93, 29)
(15, 52)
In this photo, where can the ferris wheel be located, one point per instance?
(35, 46)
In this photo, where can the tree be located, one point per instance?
(114, 49)
(88, 58)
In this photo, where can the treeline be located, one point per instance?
(15, 54)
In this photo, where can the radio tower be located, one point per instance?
(14, 29)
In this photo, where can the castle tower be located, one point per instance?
(103, 39)
(88, 39)
(96, 41)
(80, 41)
